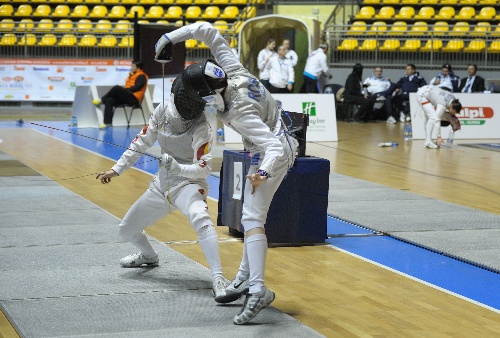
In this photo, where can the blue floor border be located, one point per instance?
(465, 279)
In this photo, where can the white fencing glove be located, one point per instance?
(159, 48)
(170, 164)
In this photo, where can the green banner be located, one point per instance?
(472, 122)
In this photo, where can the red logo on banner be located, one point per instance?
(101, 70)
(18, 78)
(56, 78)
(476, 113)
(7, 79)
(18, 68)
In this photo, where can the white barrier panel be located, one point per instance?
(322, 116)
(90, 116)
(56, 80)
(480, 117)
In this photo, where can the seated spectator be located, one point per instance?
(473, 83)
(354, 93)
(375, 86)
(401, 98)
(446, 80)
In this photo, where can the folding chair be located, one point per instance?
(133, 107)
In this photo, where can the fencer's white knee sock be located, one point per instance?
(257, 250)
(140, 240)
(244, 270)
(209, 242)
(428, 130)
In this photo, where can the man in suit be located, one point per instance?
(472, 83)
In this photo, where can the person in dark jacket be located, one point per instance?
(473, 83)
(354, 94)
(402, 89)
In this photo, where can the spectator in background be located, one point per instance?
(281, 74)
(132, 93)
(290, 53)
(402, 89)
(446, 80)
(473, 83)
(262, 60)
(315, 65)
(354, 94)
(375, 86)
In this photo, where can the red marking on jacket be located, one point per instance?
(143, 132)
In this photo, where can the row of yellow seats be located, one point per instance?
(427, 13)
(414, 45)
(143, 2)
(67, 40)
(432, 2)
(421, 27)
(119, 11)
(192, 43)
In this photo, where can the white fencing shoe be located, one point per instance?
(402, 117)
(253, 305)
(233, 291)
(138, 259)
(431, 145)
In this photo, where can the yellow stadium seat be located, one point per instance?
(183, 2)
(122, 26)
(236, 27)
(486, 14)
(178, 23)
(211, 12)
(405, 13)
(494, 47)
(475, 46)
(220, 2)
(357, 28)
(496, 31)
(74, 1)
(28, 40)
(445, 13)
(163, 22)
(173, 12)
(117, 12)
(47, 40)
(425, 13)
(136, 9)
(454, 45)
(102, 26)
(7, 25)
(410, 2)
(365, 13)
(84, 25)
(191, 43)
(143, 22)
(202, 45)
(129, 2)
(448, 2)
(42, 11)
(371, 2)
(419, 28)
(80, 11)
(233, 43)
(56, 1)
(440, 28)
(348, 44)
(6, 10)
(165, 2)
(45, 25)
(68, 40)
(230, 12)
(429, 2)
(238, 2)
(249, 12)
(88, 40)
(433, 45)
(127, 41)
(25, 25)
(460, 29)
(221, 26)
(468, 2)
(64, 25)
(378, 27)
(202, 2)
(398, 28)
(88, 2)
(488, 2)
(61, 11)
(110, 2)
(15, 1)
(481, 29)
(155, 12)
(23, 10)
(99, 11)
(390, 45)
(108, 41)
(390, 2)
(411, 45)
(466, 13)
(369, 45)
(8, 39)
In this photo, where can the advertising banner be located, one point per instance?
(56, 80)
(479, 118)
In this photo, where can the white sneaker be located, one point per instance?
(253, 305)
(402, 117)
(408, 118)
(431, 145)
(219, 286)
(233, 291)
(381, 98)
(391, 120)
(138, 259)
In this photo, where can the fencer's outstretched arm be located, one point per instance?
(203, 31)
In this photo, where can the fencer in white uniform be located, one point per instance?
(184, 137)
(437, 104)
(249, 109)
